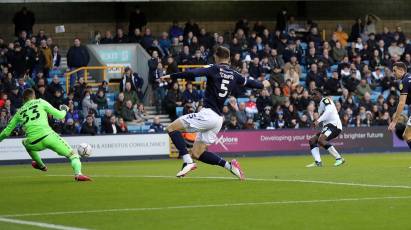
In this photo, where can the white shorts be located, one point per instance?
(205, 123)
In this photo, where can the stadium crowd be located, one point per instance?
(354, 68)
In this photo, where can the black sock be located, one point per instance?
(212, 159)
(179, 142)
(409, 144)
(313, 146)
(327, 146)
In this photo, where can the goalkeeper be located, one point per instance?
(32, 116)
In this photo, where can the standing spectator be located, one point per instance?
(137, 20)
(173, 100)
(77, 56)
(282, 19)
(56, 58)
(356, 30)
(152, 67)
(160, 88)
(48, 57)
(108, 38)
(89, 128)
(191, 26)
(135, 80)
(23, 20)
(119, 104)
(136, 36)
(156, 126)
(175, 30)
(147, 39)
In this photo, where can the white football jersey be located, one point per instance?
(328, 113)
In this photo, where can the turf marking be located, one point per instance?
(204, 206)
(39, 224)
(253, 179)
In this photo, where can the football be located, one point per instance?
(84, 150)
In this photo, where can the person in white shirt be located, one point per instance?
(332, 128)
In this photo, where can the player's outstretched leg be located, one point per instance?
(199, 152)
(60, 146)
(37, 162)
(174, 132)
(331, 149)
(315, 151)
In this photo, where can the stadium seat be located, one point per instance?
(179, 111)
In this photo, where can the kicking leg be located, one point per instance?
(315, 151)
(323, 142)
(37, 161)
(199, 152)
(60, 146)
(174, 132)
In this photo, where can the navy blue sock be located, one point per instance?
(313, 146)
(212, 159)
(327, 146)
(179, 142)
(409, 144)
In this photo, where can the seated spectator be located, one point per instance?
(120, 37)
(56, 99)
(241, 114)
(147, 39)
(134, 79)
(338, 52)
(55, 85)
(263, 100)
(185, 57)
(251, 106)
(172, 100)
(87, 104)
(304, 122)
(127, 112)
(69, 127)
(122, 125)
(136, 36)
(4, 118)
(190, 95)
(233, 124)
(101, 100)
(140, 113)
(341, 35)
(119, 104)
(333, 86)
(130, 94)
(79, 89)
(277, 98)
(362, 89)
(111, 127)
(250, 124)
(108, 38)
(156, 126)
(88, 127)
(365, 101)
(279, 121)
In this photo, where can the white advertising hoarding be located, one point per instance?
(103, 146)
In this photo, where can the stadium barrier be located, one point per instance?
(295, 141)
(104, 147)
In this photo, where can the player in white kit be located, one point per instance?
(332, 128)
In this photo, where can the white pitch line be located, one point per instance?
(39, 224)
(208, 206)
(255, 179)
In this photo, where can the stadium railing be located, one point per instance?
(112, 82)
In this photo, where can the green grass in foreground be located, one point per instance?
(182, 203)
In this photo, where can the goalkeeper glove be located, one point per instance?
(64, 107)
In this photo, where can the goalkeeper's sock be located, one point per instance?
(75, 164)
(180, 144)
(36, 157)
(315, 151)
(330, 148)
(213, 159)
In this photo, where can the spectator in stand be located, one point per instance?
(338, 52)
(332, 85)
(111, 127)
(135, 80)
(165, 43)
(147, 39)
(127, 112)
(130, 94)
(137, 20)
(121, 37)
(77, 56)
(191, 26)
(119, 104)
(56, 58)
(87, 103)
(362, 89)
(108, 38)
(282, 18)
(356, 30)
(185, 56)
(140, 113)
(122, 125)
(156, 126)
(136, 36)
(342, 36)
(176, 48)
(197, 59)
(69, 127)
(88, 127)
(173, 100)
(54, 85)
(101, 100)
(152, 67)
(23, 20)
(160, 87)
(175, 30)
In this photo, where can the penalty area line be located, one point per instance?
(267, 203)
(39, 224)
(251, 179)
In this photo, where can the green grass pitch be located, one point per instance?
(371, 191)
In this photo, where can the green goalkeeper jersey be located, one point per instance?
(33, 117)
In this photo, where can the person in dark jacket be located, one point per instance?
(137, 20)
(152, 66)
(77, 56)
(135, 80)
(23, 20)
(89, 128)
(156, 126)
(112, 127)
